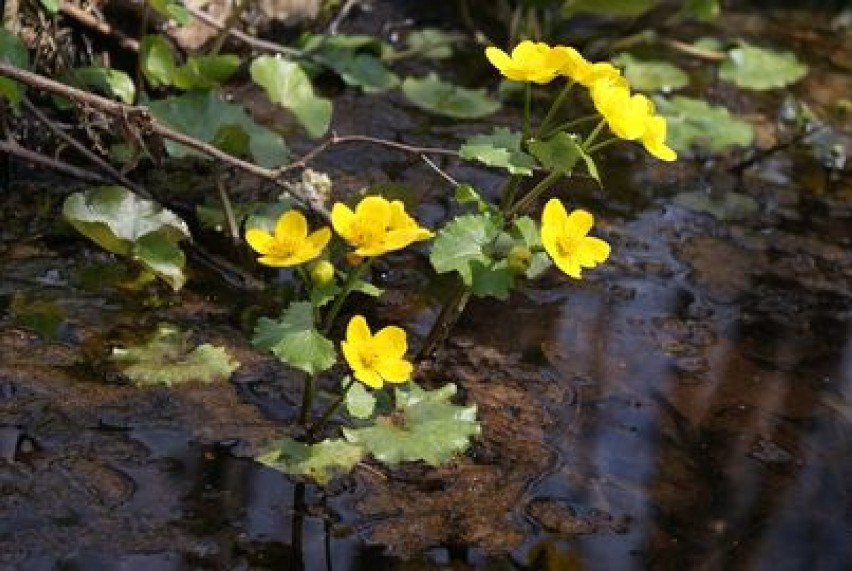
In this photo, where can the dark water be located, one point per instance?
(687, 406)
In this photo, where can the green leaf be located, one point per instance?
(13, 52)
(362, 70)
(320, 461)
(729, 206)
(156, 60)
(623, 8)
(760, 69)
(443, 98)
(167, 359)
(121, 222)
(695, 123)
(171, 10)
(287, 84)
(466, 194)
(492, 280)
(110, 81)
(701, 10)
(203, 114)
(426, 426)
(324, 294)
(295, 340)
(463, 241)
(432, 43)
(367, 288)
(560, 153)
(649, 75)
(502, 148)
(360, 403)
(205, 72)
(526, 229)
(52, 6)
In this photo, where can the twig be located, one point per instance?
(439, 170)
(75, 12)
(341, 15)
(230, 219)
(80, 148)
(16, 150)
(256, 43)
(695, 51)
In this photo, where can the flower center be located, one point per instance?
(566, 246)
(284, 247)
(369, 357)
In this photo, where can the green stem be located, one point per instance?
(601, 145)
(594, 134)
(528, 199)
(510, 189)
(568, 124)
(527, 106)
(329, 412)
(307, 401)
(551, 113)
(351, 278)
(450, 313)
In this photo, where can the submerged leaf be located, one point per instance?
(751, 67)
(437, 96)
(166, 359)
(649, 75)
(320, 461)
(432, 43)
(695, 123)
(426, 426)
(295, 340)
(502, 148)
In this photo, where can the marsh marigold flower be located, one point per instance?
(291, 244)
(376, 359)
(565, 239)
(376, 226)
(529, 61)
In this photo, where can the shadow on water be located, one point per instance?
(687, 406)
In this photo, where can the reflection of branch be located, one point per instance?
(16, 150)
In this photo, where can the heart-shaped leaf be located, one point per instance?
(320, 461)
(650, 75)
(751, 67)
(295, 340)
(463, 241)
(695, 123)
(437, 96)
(502, 148)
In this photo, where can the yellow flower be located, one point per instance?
(626, 115)
(376, 359)
(377, 226)
(654, 139)
(586, 73)
(565, 239)
(290, 245)
(529, 61)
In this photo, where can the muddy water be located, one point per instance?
(687, 406)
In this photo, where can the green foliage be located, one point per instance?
(502, 148)
(110, 81)
(648, 75)
(119, 221)
(42, 316)
(702, 10)
(287, 84)
(52, 6)
(527, 232)
(356, 59)
(560, 154)
(443, 98)
(167, 359)
(156, 60)
(695, 123)
(360, 403)
(432, 43)
(13, 52)
(205, 72)
(320, 461)
(463, 241)
(295, 340)
(425, 426)
(760, 69)
(171, 10)
(207, 117)
(623, 8)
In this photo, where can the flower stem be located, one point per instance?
(594, 134)
(534, 193)
(527, 105)
(510, 189)
(568, 124)
(551, 113)
(307, 401)
(602, 144)
(451, 311)
(328, 412)
(351, 278)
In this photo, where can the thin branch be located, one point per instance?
(75, 12)
(695, 51)
(16, 150)
(251, 41)
(83, 150)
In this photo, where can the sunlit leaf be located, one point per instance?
(13, 52)
(607, 7)
(287, 84)
(502, 148)
(204, 72)
(160, 255)
(51, 6)
(360, 402)
(466, 194)
(168, 359)
(437, 96)
(172, 10)
(295, 340)
(695, 123)
(649, 75)
(156, 60)
(432, 43)
(751, 67)
(320, 461)
(560, 153)
(363, 70)
(425, 426)
(203, 114)
(110, 81)
(463, 241)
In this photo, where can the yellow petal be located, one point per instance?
(369, 377)
(318, 239)
(373, 212)
(498, 58)
(395, 370)
(554, 215)
(569, 265)
(279, 262)
(391, 342)
(259, 240)
(292, 224)
(579, 223)
(592, 251)
(341, 220)
(358, 332)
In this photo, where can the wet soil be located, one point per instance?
(687, 406)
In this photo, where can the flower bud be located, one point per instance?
(322, 273)
(519, 259)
